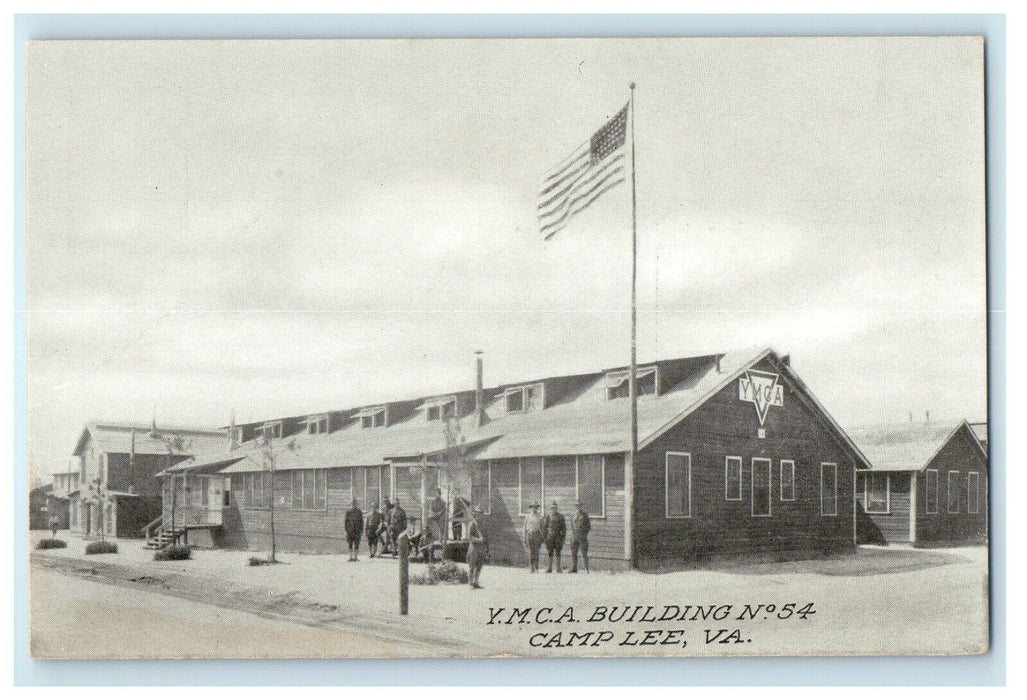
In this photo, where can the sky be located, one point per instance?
(278, 228)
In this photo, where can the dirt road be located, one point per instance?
(119, 622)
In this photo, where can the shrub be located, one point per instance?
(259, 561)
(173, 552)
(51, 544)
(102, 547)
(446, 572)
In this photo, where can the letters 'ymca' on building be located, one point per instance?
(735, 456)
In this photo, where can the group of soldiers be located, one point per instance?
(383, 528)
(551, 530)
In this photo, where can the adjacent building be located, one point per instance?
(116, 491)
(928, 485)
(736, 457)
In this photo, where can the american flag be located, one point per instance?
(596, 167)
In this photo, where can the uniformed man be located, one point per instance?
(555, 526)
(354, 522)
(477, 549)
(372, 523)
(436, 510)
(397, 524)
(383, 529)
(533, 536)
(580, 526)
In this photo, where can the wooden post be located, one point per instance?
(404, 573)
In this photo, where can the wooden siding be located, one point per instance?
(944, 528)
(725, 426)
(894, 524)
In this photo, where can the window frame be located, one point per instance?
(315, 491)
(976, 491)
(640, 373)
(520, 484)
(949, 500)
(887, 493)
(440, 406)
(927, 492)
(781, 478)
(602, 484)
(728, 460)
(834, 471)
(523, 390)
(770, 487)
(666, 484)
(369, 417)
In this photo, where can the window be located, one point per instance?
(787, 480)
(931, 487)
(253, 490)
(591, 477)
(761, 487)
(317, 425)
(828, 488)
(530, 483)
(308, 489)
(505, 473)
(440, 409)
(952, 492)
(877, 492)
(973, 492)
(372, 417)
(617, 384)
(678, 485)
(733, 478)
(559, 482)
(524, 398)
(481, 487)
(270, 431)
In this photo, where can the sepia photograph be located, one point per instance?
(422, 348)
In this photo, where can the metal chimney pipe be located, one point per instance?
(479, 408)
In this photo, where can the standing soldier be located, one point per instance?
(533, 536)
(397, 524)
(477, 549)
(371, 526)
(383, 529)
(580, 526)
(555, 526)
(354, 523)
(436, 509)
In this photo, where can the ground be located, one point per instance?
(880, 600)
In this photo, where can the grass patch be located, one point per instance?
(174, 552)
(51, 544)
(102, 547)
(446, 572)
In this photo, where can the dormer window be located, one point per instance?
(440, 409)
(372, 417)
(271, 431)
(317, 425)
(524, 398)
(617, 382)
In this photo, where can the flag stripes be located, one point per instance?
(590, 171)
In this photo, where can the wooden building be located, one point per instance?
(38, 507)
(117, 490)
(736, 457)
(58, 500)
(928, 484)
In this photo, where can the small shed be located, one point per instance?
(928, 483)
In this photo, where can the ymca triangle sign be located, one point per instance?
(762, 390)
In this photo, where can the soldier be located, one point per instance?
(383, 529)
(397, 524)
(436, 509)
(372, 524)
(354, 522)
(555, 526)
(477, 549)
(580, 526)
(533, 536)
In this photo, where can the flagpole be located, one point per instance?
(629, 465)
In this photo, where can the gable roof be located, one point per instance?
(981, 433)
(116, 437)
(578, 419)
(909, 447)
